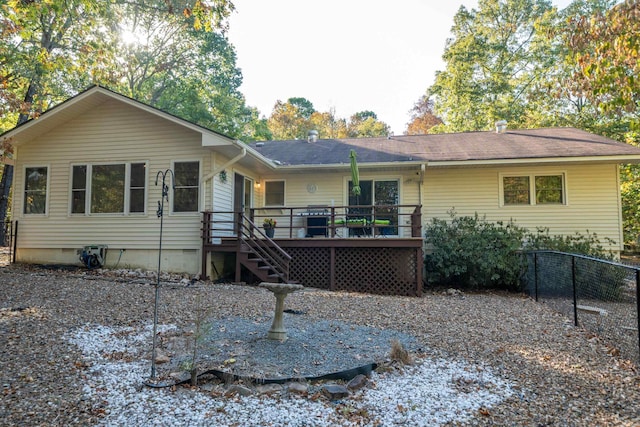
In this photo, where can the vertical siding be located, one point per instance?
(591, 190)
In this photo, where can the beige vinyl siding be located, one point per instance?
(592, 195)
(330, 188)
(111, 133)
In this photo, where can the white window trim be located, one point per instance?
(127, 188)
(47, 190)
(532, 187)
(170, 181)
(374, 179)
(284, 195)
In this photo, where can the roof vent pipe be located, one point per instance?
(501, 126)
(312, 136)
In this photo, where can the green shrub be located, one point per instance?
(471, 252)
(583, 244)
(474, 253)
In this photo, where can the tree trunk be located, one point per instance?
(7, 175)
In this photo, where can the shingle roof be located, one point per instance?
(467, 146)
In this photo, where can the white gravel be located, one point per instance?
(431, 392)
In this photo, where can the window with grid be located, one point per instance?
(187, 186)
(533, 189)
(35, 190)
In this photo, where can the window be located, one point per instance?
(78, 189)
(384, 194)
(137, 187)
(516, 190)
(108, 188)
(546, 190)
(35, 190)
(274, 193)
(187, 188)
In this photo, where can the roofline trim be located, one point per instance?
(115, 95)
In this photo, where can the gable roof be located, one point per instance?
(97, 95)
(524, 146)
(85, 100)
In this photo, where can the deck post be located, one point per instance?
(332, 269)
(419, 266)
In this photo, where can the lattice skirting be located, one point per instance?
(387, 271)
(310, 266)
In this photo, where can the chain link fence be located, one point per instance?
(601, 296)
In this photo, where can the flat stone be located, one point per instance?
(335, 391)
(161, 357)
(298, 388)
(357, 382)
(239, 390)
(269, 389)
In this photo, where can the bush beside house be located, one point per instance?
(473, 253)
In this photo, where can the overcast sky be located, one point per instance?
(346, 55)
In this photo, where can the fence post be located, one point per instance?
(15, 243)
(535, 273)
(575, 298)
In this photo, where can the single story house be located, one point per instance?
(89, 172)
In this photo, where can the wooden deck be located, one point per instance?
(369, 261)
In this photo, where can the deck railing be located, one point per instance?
(325, 221)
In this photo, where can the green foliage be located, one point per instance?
(296, 117)
(606, 47)
(582, 244)
(492, 60)
(471, 252)
(474, 253)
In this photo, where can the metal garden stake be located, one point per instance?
(160, 212)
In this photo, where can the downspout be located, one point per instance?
(423, 168)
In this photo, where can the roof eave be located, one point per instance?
(619, 159)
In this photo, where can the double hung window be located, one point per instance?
(35, 190)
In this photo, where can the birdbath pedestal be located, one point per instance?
(280, 290)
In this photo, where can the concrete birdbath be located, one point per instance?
(280, 290)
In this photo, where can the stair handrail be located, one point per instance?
(263, 246)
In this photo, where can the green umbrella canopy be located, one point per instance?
(355, 175)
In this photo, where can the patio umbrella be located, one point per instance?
(355, 175)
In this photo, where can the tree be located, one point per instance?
(365, 124)
(304, 106)
(491, 61)
(422, 117)
(327, 125)
(606, 48)
(603, 40)
(50, 50)
(287, 121)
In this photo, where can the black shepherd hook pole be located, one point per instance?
(160, 212)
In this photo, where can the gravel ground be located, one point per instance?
(75, 351)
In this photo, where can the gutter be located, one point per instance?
(217, 170)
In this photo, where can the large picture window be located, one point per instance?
(533, 190)
(108, 188)
(187, 186)
(35, 190)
